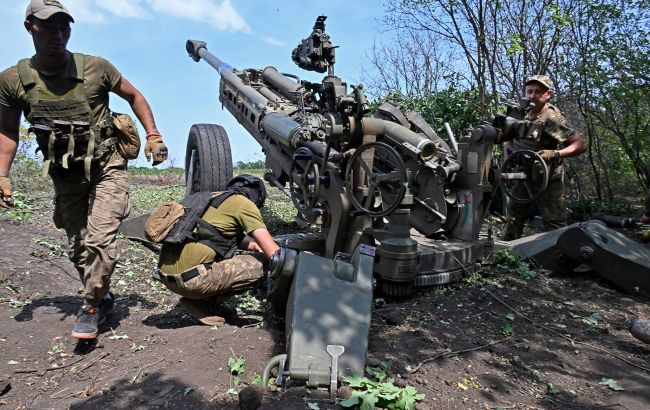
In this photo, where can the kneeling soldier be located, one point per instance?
(197, 259)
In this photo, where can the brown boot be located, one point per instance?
(202, 310)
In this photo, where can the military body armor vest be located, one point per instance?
(191, 227)
(531, 134)
(63, 125)
(532, 139)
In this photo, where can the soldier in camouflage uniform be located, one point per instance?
(548, 134)
(64, 96)
(205, 272)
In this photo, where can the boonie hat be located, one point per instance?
(542, 79)
(44, 9)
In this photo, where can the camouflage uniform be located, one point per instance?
(91, 197)
(216, 278)
(547, 131)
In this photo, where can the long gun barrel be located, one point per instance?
(367, 179)
(199, 50)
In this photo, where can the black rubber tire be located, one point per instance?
(213, 161)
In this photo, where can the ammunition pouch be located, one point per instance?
(179, 223)
(69, 142)
(128, 140)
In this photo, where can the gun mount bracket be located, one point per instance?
(304, 179)
(524, 176)
(375, 171)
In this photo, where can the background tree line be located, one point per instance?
(457, 60)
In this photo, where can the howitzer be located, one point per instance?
(394, 203)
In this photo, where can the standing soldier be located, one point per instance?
(553, 139)
(64, 96)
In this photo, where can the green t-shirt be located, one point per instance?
(100, 76)
(235, 215)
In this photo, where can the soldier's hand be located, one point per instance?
(6, 195)
(549, 155)
(155, 149)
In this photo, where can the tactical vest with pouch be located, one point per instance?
(531, 135)
(167, 224)
(63, 125)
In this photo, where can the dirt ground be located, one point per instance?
(500, 342)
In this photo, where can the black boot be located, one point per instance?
(105, 307)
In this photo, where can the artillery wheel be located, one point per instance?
(304, 179)
(524, 176)
(208, 160)
(386, 180)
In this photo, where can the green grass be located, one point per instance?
(258, 172)
(145, 198)
(155, 171)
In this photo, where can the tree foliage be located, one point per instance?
(597, 51)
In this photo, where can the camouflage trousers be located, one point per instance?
(551, 204)
(221, 279)
(90, 212)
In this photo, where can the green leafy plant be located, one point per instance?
(511, 263)
(612, 384)
(237, 365)
(508, 329)
(593, 319)
(369, 394)
(377, 390)
(17, 304)
(552, 390)
(57, 349)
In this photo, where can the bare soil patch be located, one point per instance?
(501, 342)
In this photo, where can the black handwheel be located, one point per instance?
(524, 176)
(208, 160)
(304, 179)
(385, 180)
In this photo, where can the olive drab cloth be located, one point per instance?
(548, 130)
(90, 201)
(128, 139)
(236, 215)
(99, 75)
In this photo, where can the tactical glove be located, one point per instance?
(6, 196)
(155, 148)
(549, 155)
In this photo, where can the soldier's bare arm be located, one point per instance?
(9, 129)
(155, 148)
(138, 104)
(264, 239)
(575, 145)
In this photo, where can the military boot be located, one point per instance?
(87, 322)
(105, 307)
(203, 310)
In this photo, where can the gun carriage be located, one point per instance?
(395, 203)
